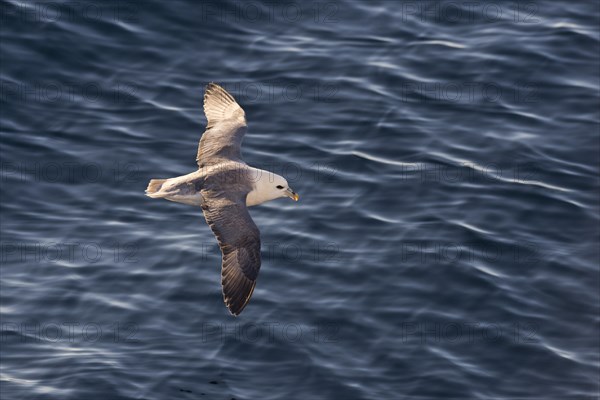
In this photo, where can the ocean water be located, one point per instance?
(445, 244)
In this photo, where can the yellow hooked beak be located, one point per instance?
(291, 194)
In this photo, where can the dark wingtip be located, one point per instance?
(236, 304)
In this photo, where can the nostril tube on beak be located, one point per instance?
(292, 195)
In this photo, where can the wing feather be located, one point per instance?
(239, 241)
(225, 129)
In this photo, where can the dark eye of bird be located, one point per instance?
(279, 187)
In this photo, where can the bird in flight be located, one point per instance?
(224, 186)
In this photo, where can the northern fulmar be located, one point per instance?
(224, 186)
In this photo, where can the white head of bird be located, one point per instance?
(269, 186)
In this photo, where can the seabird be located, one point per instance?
(224, 186)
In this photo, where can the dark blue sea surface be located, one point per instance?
(445, 244)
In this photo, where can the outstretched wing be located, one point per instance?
(239, 240)
(222, 139)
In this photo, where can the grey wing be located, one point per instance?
(222, 139)
(239, 240)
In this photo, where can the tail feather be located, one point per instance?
(154, 186)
